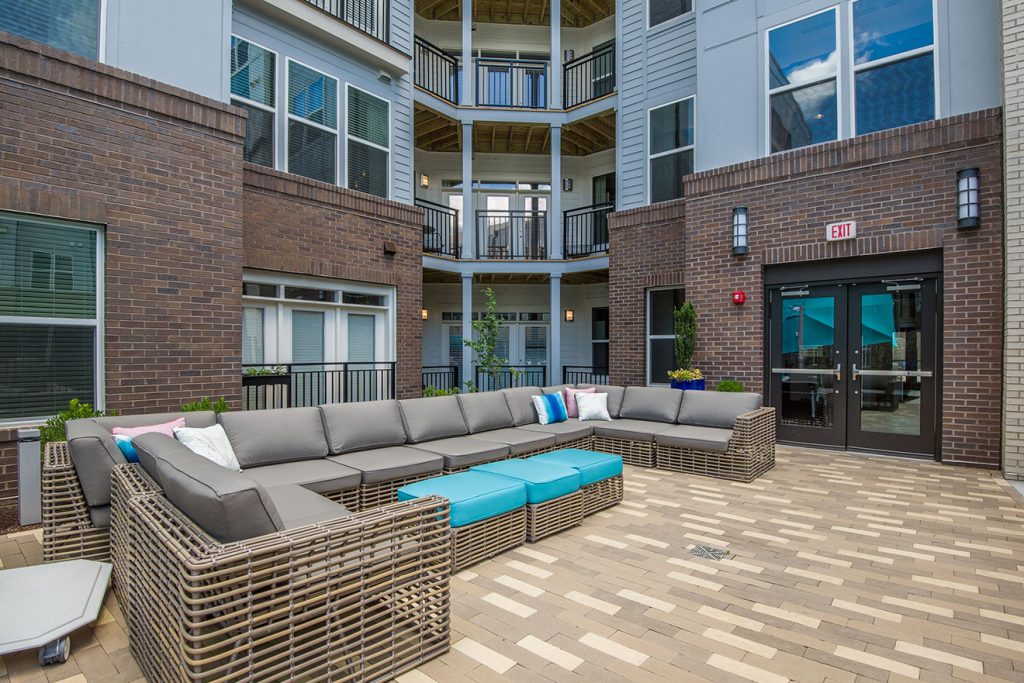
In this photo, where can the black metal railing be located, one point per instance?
(588, 77)
(584, 374)
(436, 71)
(372, 17)
(512, 83)
(294, 385)
(511, 376)
(512, 234)
(440, 228)
(585, 230)
(443, 377)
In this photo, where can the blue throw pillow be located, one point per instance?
(550, 408)
(127, 448)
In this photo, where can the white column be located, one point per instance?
(555, 207)
(468, 63)
(467, 327)
(555, 343)
(469, 249)
(556, 55)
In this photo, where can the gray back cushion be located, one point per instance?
(227, 505)
(615, 395)
(520, 404)
(199, 418)
(361, 426)
(485, 410)
(266, 437)
(716, 408)
(426, 419)
(651, 403)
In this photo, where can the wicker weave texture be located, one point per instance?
(453, 470)
(639, 453)
(386, 492)
(584, 443)
(360, 598)
(487, 538)
(68, 532)
(552, 516)
(751, 451)
(347, 497)
(602, 494)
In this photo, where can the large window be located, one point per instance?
(49, 316)
(253, 70)
(368, 138)
(661, 305)
(72, 25)
(312, 123)
(660, 11)
(671, 149)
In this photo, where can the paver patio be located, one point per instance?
(841, 568)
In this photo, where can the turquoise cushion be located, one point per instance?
(544, 481)
(127, 447)
(592, 466)
(474, 496)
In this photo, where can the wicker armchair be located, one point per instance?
(751, 451)
(68, 531)
(364, 597)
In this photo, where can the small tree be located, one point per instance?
(684, 321)
(484, 343)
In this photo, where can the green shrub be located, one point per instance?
(263, 372)
(430, 392)
(729, 385)
(55, 430)
(218, 406)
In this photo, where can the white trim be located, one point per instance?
(101, 49)
(648, 337)
(391, 135)
(686, 148)
(259, 105)
(288, 116)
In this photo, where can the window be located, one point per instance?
(369, 134)
(671, 149)
(253, 72)
(661, 305)
(599, 339)
(660, 11)
(72, 25)
(803, 68)
(252, 335)
(49, 316)
(312, 123)
(894, 63)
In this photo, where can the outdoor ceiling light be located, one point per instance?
(739, 231)
(968, 200)
(566, 184)
(424, 180)
(424, 313)
(570, 315)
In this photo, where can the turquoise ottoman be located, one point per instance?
(487, 512)
(600, 475)
(554, 500)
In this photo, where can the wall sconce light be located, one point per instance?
(424, 313)
(740, 244)
(968, 199)
(566, 184)
(569, 55)
(424, 181)
(570, 315)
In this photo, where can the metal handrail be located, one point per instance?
(372, 17)
(436, 71)
(440, 228)
(585, 230)
(589, 77)
(513, 234)
(514, 83)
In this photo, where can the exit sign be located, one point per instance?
(845, 230)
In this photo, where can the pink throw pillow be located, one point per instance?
(165, 428)
(570, 399)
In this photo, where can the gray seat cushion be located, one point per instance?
(615, 395)
(227, 505)
(267, 437)
(637, 430)
(569, 430)
(519, 440)
(485, 410)
(320, 475)
(697, 438)
(520, 404)
(393, 462)
(299, 506)
(716, 408)
(100, 516)
(426, 419)
(94, 453)
(363, 425)
(651, 403)
(463, 451)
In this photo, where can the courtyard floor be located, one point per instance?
(840, 568)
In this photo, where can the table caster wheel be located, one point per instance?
(56, 652)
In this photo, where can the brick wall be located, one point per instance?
(899, 186)
(296, 225)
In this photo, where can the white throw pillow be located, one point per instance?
(593, 407)
(211, 443)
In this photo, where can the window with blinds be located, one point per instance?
(252, 335)
(369, 142)
(49, 319)
(362, 339)
(253, 77)
(72, 25)
(312, 123)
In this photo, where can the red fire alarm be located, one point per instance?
(739, 296)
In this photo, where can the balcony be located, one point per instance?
(512, 376)
(585, 230)
(512, 83)
(584, 374)
(442, 377)
(372, 17)
(436, 71)
(589, 77)
(299, 385)
(512, 234)
(440, 229)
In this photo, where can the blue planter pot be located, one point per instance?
(691, 384)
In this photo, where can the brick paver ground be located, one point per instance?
(840, 568)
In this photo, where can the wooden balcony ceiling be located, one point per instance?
(590, 277)
(575, 13)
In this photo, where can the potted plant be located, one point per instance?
(685, 376)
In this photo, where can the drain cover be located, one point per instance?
(709, 552)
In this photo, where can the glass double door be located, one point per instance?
(854, 365)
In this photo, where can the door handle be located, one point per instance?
(839, 372)
(891, 373)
